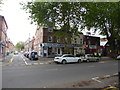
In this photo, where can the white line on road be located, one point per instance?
(95, 79)
(115, 74)
(24, 61)
(36, 63)
(107, 76)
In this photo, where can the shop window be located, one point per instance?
(58, 50)
(49, 38)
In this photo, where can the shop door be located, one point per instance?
(49, 50)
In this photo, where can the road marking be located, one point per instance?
(36, 63)
(24, 61)
(41, 63)
(115, 74)
(95, 79)
(10, 60)
(107, 76)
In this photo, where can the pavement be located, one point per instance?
(97, 82)
(50, 60)
(6, 60)
(42, 60)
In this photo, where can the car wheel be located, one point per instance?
(97, 60)
(64, 62)
(79, 61)
(88, 60)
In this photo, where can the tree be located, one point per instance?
(106, 18)
(20, 46)
(68, 17)
(62, 16)
(1, 2)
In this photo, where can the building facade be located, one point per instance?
(79, 47)
(29, 45)
(48, 45)
(92, 44)
(9, 47)
(3, 36)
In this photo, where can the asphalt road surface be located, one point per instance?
(21, 73)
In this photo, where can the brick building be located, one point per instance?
(48, 45)
(3, 36)
(91, 43)
(9, 47)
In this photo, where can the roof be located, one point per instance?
(4, 20)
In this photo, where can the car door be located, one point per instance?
(67, 58)
(90, 58)
(93, 58)
(70, 58)
(73, 58)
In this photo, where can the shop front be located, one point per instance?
(54, 49)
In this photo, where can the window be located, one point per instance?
(85, 42)
(58, 50)
(50, 30)
(81, 41)
(49, 38)
(58, 39)
(89, 43)
(75, 40)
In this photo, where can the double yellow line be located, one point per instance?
(10, 60)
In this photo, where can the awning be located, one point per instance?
(60, 45)
(2, 44)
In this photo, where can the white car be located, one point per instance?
(67, 58)
(89, 57)
(118, 57)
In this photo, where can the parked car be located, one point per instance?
(67, 58)
(33, 56)
(118, 57)
(89, 57)
(16, 52)
(26, 54)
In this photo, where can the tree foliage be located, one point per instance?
(106, 18)
(20, 46)
(1, 1)
(68, 17)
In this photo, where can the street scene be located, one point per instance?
(67, 45)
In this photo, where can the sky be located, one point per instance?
(19, 26)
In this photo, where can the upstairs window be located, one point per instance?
(75, 40)
(81, 41)
(58, 39)
(49, 38)
(50, 30)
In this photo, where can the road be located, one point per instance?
(21, 73)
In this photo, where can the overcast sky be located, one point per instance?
(19, 26)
